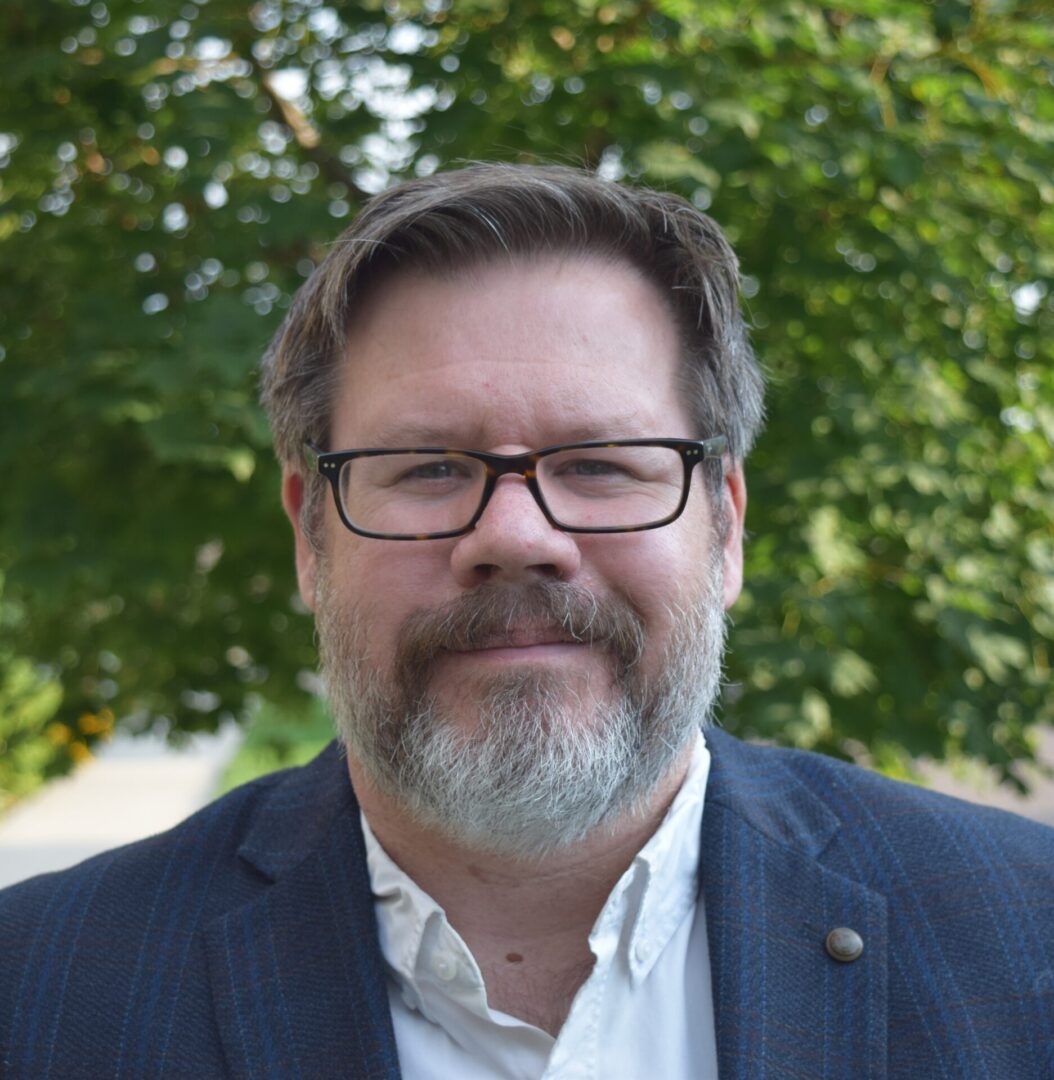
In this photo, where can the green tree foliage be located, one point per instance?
(171, 170)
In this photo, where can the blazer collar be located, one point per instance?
(755, 785)
(298, 811)
(782, 1005)
(297, 978)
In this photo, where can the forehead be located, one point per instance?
(514, 353)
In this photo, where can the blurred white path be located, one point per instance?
(979, 785)
(134, 787)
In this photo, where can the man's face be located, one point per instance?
(509, 358)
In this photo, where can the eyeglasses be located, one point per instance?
(429, 493)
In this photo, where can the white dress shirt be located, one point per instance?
(646, 1010)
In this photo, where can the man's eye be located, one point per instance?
(588, 468)
(598, 468)
(432, 471)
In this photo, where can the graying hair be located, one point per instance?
(490, 211)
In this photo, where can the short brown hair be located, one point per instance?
(459, 219)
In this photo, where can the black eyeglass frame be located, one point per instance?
(328, 464)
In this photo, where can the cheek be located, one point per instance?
(380, 583)
(660, 573)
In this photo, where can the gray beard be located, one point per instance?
(544, 767)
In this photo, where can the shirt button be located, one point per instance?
(444, 967)
(844, 945)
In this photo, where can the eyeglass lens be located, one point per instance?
(598, 487)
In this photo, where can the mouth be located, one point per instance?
(522, 645)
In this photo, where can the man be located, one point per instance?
(512, 408)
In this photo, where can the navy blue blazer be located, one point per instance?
(242, 943)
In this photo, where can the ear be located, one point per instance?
(306, 558)
(734, 498)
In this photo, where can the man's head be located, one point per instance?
(518, 685)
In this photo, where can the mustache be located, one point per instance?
(493, 615)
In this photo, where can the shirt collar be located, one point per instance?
(641, 913)
(660, 888)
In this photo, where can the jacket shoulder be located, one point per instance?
(942, 863)
(214, 830)
(282, 810)
(857, 797)
(119, 936)
(910, 811)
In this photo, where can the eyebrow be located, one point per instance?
(411, 434)
(403, 433)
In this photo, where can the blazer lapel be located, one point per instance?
(783, 1006)
(297, 976)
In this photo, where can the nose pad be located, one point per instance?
(513, 505)
(516, 487)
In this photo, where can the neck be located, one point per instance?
(527, 922)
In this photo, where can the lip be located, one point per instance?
(541, 651)
(523, 651)
(523, 637)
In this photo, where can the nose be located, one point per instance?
(513, 540)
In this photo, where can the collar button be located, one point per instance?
(444, 967)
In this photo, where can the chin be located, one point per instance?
(536, 695)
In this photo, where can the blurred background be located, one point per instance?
(172, 170)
